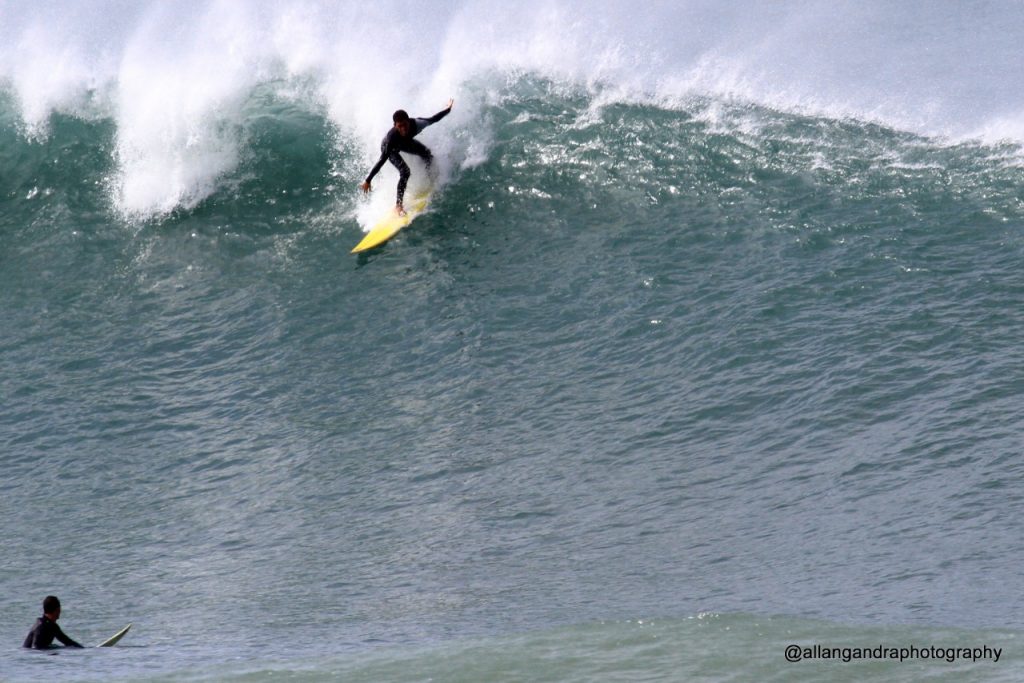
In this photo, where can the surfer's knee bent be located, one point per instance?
(403, 168)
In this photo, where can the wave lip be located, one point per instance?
(176, 78)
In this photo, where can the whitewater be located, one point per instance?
(708, 347)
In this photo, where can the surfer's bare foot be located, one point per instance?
(399, 210)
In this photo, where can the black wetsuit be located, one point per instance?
(43, 632)
(394, 142)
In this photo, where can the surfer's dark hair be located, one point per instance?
(50, 604)
(400, 116)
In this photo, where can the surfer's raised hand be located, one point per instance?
(365, 187)
(451, 101)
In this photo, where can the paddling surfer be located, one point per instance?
(46, 630)
(400, 139)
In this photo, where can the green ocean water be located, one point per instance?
(662, 383)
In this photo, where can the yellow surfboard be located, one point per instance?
(388, 226)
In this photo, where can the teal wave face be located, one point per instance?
(638, 359)
(69, 168)
(547, 143)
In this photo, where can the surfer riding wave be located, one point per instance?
(400, 139)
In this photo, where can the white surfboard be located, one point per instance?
(112, 640)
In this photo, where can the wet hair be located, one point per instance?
(399, 116)
(50, 604)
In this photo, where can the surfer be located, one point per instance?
(400, 139)
(45, 629)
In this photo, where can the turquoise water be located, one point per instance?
(695, 356)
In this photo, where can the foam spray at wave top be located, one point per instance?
(177, 79)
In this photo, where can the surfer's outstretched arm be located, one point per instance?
(365, 187)
(62, 637)
(444, 112)
(423, 123)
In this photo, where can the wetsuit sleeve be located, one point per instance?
(423, 123)
(62, 637)
(30, 639)
(387, 148)
(377, 166)
(440, 115)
